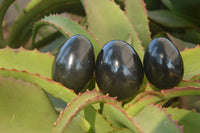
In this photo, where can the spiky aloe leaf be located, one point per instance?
(67, 27)
(153, 119)
(123, 130)
(189, 119)
(79, 103)
(168, 19)
(24, 107)
(4, 5)
(137, 13)
(96, 120)
(82, 101)
(35, 11)
(31, 61)
(119, 118)
(156, 97)
(191, 56)
(55, 89)
(111, 23)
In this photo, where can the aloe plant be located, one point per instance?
(32, 102)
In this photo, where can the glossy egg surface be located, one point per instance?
(118, 70)
(163, 64)
(74, 63)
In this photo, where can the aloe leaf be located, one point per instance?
(97, 121)
(137, 13)
(191, 56)
(150, 91)
(31, 61)
(111, 23)
(168, 19)
(189, 119)
(35, 11)
(4, 5)
(24, 107)
(47, 40)
(156, 97)
(54, 46)
(119, 118)
(78, 125)
(79, 103)
(153, 119)
(123, 130)
(53, 88)
(67, 27)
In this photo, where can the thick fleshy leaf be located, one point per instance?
(188, 119)
(148, 97)
(67, 27)
(24, 107)
(34, 11)
(191, 62)
(31, 61)
(111, 23)
(168, 19)
(119, 118)
(123, 130)
(79, 103)
(154, 120)
(4, 5)
(137, 13)
(97, 121)
(53, 88)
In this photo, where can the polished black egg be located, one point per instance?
(119, 70)
(163, 64)
(74, 63)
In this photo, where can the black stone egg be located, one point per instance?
(163, 64)
(119, 70)
(74, 63)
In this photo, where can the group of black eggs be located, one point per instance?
(118, 69)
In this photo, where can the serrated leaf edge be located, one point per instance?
(98, 98)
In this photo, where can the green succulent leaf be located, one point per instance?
(169, 19)
(97, 121)
(34, 11)
(78, 125)
(21, 111)
(53, 88)
(111, 23)
(30, 61)
(79, 103)
(191, 56)
(4, 5)
(67, 27)
(154, 120)
(147, 97)
(119, 118)
(187, 118)
(123, 130)
(137, 13)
